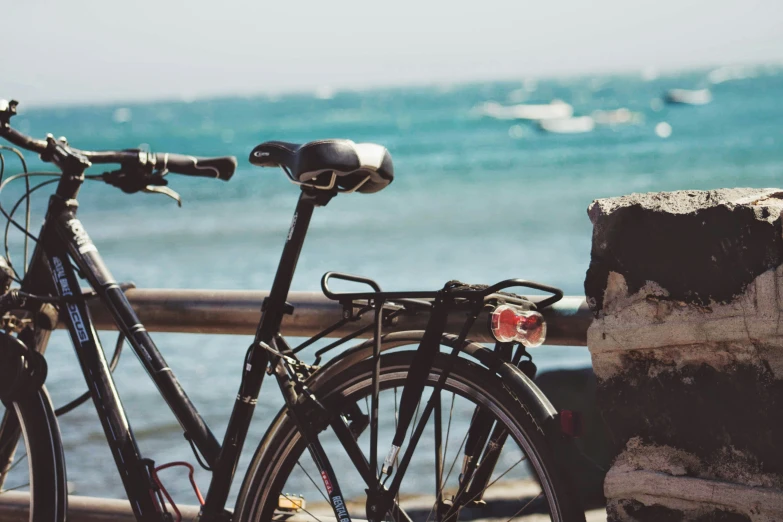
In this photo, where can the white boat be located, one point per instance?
(730, 73)
(616, 116)
(576, 125)
(688, 96)
(557, 109)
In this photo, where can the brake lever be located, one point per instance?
(156, 189)
(151, 183)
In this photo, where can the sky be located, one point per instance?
(100, 51)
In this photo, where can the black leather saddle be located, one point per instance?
(329, 164)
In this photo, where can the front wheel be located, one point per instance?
(513, 473)
(32, 467)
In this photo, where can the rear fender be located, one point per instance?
(520, 385)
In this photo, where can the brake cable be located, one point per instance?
(153, 183)
(27, 193)
(9, 221)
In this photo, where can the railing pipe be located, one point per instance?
(15, 507)
(238, 311)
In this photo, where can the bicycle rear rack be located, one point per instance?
(393, 304)
(454, 296)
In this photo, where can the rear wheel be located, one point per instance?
(524, 483)
(32, 470)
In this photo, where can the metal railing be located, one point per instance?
(238, 312)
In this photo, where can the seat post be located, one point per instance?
(275, 303)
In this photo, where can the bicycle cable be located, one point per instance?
(26, 197)
(10, 220)
(27, 188)
(9, 215)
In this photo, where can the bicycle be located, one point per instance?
(338, 403)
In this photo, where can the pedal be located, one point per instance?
(291, 503)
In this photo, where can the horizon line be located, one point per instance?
(658, 72)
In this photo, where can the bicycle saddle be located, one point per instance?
(327, 164)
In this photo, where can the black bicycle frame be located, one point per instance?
(62, 239)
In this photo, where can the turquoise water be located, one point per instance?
(474, 198)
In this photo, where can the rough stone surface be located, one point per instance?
(634, 510)
(687, 345)
(708, 412)
(702, 246)
(691, 497)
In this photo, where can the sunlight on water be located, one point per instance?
(475, 198)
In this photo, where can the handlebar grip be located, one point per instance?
(219, 168)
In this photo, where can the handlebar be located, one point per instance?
(220, 168)
(133, 159)
(20, 140)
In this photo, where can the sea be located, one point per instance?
(475, 197)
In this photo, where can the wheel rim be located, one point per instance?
(17, 479)
(512, 493)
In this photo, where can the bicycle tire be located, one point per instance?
(33, 419)
(278, 453)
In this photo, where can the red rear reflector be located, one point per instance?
(509, 323)
(571, 423)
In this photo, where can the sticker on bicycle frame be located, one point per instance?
(80, 235)
(73, 309)
(339, 509)
(327, 482)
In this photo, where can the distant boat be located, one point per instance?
(557, 109)
(576, 125)
(688, 96)
(729, 73)
(616, 117)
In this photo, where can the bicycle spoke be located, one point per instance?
(20, 459)
(448, 432)
(396, 408)
(439, 495)
(454, 462)
(9, 438)
(15, 487)
(433, 509)
(482, 472)
(524, 507)
(293, 501)
(471, 499)
(438, 457)
(396, 457)
(415, 418)
(8, 425)
(403, 516)
(314, 483)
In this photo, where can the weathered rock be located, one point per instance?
(701, 246)
(688, 349)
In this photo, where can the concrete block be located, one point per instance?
(687, 345)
